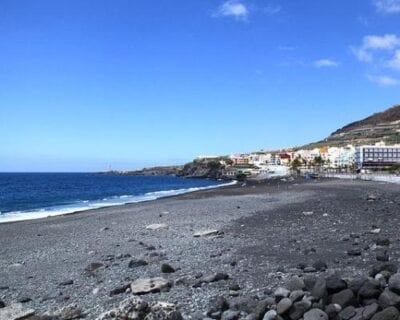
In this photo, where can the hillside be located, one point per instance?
(380, 126)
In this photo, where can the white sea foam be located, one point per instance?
(106, 202)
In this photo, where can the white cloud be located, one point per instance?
(387, 6)
(395, 61)
(384, 81)
(325, 63)
(385, 42)
(381, 53)
(371, 44)
(234, 9)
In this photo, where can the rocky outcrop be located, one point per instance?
(135, 308)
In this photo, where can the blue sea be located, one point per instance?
(37, 195)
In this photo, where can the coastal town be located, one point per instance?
(346, 159)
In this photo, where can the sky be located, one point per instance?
(85, 85)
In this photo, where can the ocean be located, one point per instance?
(26, 196)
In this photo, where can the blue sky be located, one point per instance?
(132, 83)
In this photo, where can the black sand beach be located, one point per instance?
(267, 234)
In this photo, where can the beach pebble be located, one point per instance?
(207, 233)
(166, 268)
(320, 265)
(149, 285)
(137, 263)
(354, 252)
(156, 226)
(66, 282)
(94, 266)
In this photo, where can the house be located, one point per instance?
(377, 156)
(242, 159)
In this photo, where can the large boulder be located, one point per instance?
(335, 284)
(394, 283)
(344, 298)
(390, 313)
(369, 290)
(299, 308)
(315, 314)
(319, 290)
(389, 299)
(134, 308)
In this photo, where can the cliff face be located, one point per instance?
(380, 126)
(195, 169)
(212, 170)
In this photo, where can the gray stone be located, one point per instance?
(137, 263)
(319, 291)
(309, 281)
(295, 283)
(297, 295)
(156, 226)
(15, 311)
(2, 304)
(354, 252)
(298, 309)
(320, 265)
(208, 233)
(94, 266)
(315, 314)
(262, 308)
(283, 306)
(250, 316)
(356, 283)
(332, 310)
(281, 293)
(390, 313)
(370, 289)
(394, 283)
(218, 303)
(230, 315)
(166, 268)
(347, 313)
(389, 298)
(378, 268)
(150, 285)
(344, 298)
(335, 284)
(270, 315)
(369, 311)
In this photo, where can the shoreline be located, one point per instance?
(151, 196)
(266, 231)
